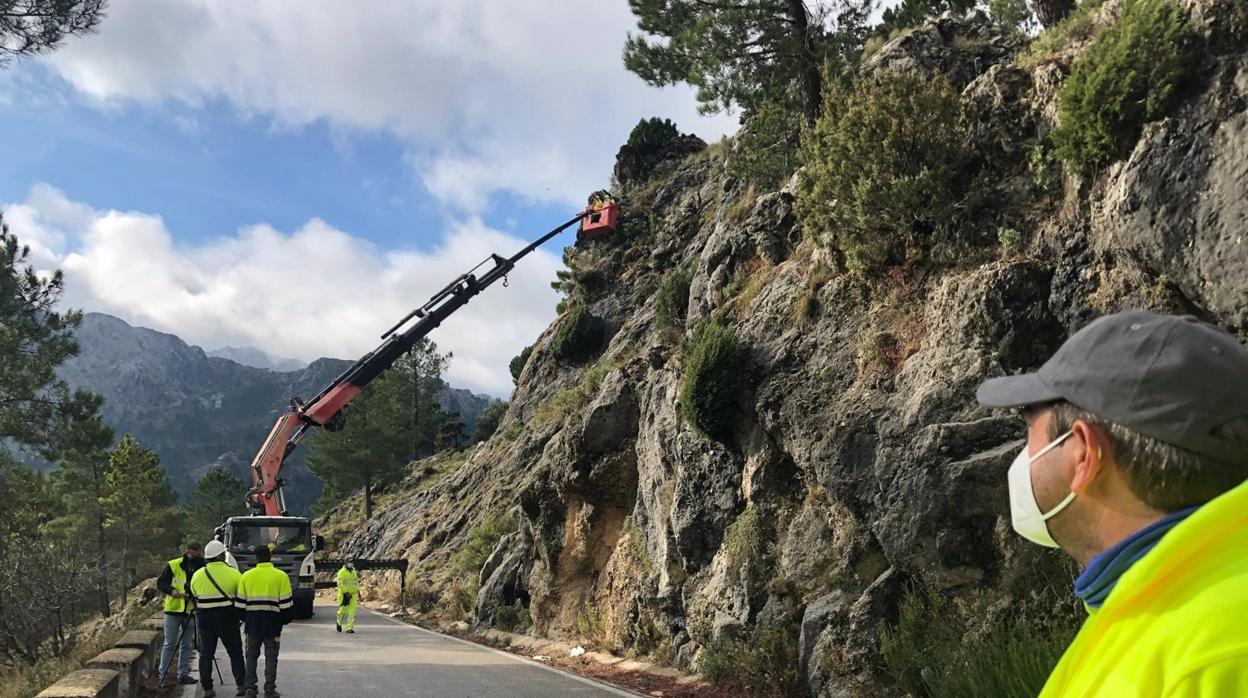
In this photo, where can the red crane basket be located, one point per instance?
(600, 221)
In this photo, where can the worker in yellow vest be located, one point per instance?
(265, 594)
(215, 590)
(1136, 465)
(172, 582)
(348, 596)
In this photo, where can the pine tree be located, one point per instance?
(417, 378)
(488, 421)
(451, 434)
(138, 507)
(29, 27)
(745, 52)
(218, 495)
(375, 443)
(79, 479)
(35, 338)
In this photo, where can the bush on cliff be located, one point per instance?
(887, 171)
(579, 335)
(1132, 74)
(650, 135)
(672, 299)
(713, 361)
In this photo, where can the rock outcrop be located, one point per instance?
(860, 464)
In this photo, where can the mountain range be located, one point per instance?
(199, 409)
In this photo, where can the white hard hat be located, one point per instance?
(213, 549)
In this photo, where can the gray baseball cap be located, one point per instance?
(1173, 378)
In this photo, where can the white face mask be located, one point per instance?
(1028, 520)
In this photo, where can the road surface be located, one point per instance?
(387, 658)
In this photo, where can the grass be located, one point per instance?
(930, 653)
(764, 664)
(1079, 25)
(740, 209)
(27, 681)
(468, 561)
(568, 400)
(590, 624)
(637, 545)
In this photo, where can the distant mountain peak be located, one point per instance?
(256, 358)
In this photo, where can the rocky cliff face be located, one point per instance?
(859, 462)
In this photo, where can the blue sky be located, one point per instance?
(216, 170)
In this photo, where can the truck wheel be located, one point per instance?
(303, 609)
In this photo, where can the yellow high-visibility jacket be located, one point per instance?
(1176, 623)
(265, 594)
(213, 602)
(174, 604)
(347, 581)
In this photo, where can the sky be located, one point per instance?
(296, 176)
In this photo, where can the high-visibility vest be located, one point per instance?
(265, 588)
(172, 603)
(206, 594)
(348, 580)
(1174, 623)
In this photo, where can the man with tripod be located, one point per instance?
(215, 589)
(173, 583)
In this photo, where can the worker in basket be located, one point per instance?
(602, 216)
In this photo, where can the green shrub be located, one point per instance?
(1076, 26)
(671, 301)
(579, 335)
(1132, 74)
(482, 539)
(927, 652)
(513, 618)
(1011, 240)
(766, 146)
(887, 171)
(650, 135)
(764, 664)
(518, 362)
(745, 544)
(713, 361)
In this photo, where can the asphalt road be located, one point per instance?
(387, 658)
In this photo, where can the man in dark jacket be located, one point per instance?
(174, 583)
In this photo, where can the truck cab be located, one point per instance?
(292, 543)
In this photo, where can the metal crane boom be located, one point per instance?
(327, 408)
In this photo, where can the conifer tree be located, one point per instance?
(218, 495)
(745, 53)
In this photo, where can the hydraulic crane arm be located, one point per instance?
(327, 408)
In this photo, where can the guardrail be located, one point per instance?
(330, 564)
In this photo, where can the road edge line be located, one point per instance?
(523, 660)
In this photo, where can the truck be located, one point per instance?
(290, 538)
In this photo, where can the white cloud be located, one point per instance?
(488, 95)
(314, 292)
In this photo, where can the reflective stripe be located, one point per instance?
(265, 589)
(206, 593)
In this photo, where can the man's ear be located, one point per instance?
(1089, 445)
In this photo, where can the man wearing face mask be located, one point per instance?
(1136, 465)
(348, 583)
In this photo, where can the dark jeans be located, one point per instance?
(271, 645)
(226, 631)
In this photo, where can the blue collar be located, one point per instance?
(1094, 584)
